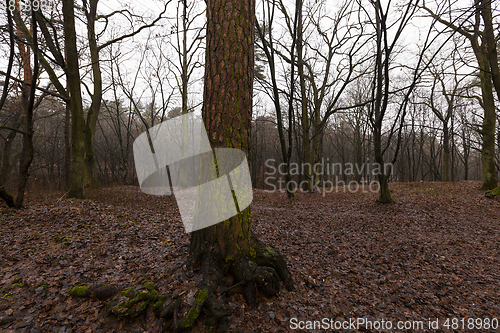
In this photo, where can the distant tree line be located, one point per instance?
(357, 82)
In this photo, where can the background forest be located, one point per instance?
(402, 83)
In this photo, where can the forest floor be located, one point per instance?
(434, 254)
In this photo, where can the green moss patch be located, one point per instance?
(131, 302)
(45, 285)
(79, 291)
(194, 312)
(130, 292)
(158, 305)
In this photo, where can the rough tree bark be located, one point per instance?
(229, 251)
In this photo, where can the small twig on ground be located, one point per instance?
(64, 195)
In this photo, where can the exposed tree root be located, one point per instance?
(260, 271)
(493, 193)
(206, 279)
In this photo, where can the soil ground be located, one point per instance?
(434, 254)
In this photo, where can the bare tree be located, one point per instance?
(387, 35)
(90, 9)
(385, 47)
(478, 40)
(267, 45)
(329, 56)
(188, 42)
(28, 89)
(450, 95)
(6, 166)
(77, 167)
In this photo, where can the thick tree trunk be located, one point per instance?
(76, 170)
(385, 194)
(491, 44)
(491, 54)
(229, 250)
(489, 125)
(383, 179)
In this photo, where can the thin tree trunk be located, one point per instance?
(446, 152)
(306, 144)
(28, 104)
(67, 143)
(90, 176)
(270, 54)
(380, 103)
(184, 75)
